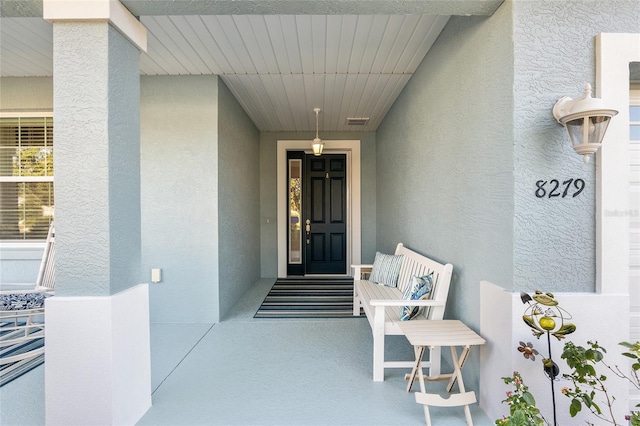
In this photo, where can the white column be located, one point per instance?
(97, 355)
(614, 52)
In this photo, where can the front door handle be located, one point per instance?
(308, 229)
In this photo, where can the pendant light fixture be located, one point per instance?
(317, 143)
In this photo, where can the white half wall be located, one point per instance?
(598, 317)
(97, 359)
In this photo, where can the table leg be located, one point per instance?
(419, 352)
(458, 373)
(462, 359)
(427, 416)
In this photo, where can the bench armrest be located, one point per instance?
(403, 302)
(358, 270)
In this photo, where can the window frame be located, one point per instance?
(25, 243)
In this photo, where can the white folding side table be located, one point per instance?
(439, 333)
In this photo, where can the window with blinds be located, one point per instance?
(26, 177)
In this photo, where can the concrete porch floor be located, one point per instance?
(246, 371)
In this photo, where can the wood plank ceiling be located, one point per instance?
(279, 67)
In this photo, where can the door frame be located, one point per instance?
(354, 234)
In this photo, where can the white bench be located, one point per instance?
(382, 305)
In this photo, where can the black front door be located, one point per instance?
(325, 214)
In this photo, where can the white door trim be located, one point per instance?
(614, 52)
(354, 234)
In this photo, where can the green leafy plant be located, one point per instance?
(544, 316)
(633, 353)
(589, 384)
(522, 405)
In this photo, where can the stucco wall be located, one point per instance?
(554, 240)
(268, 193)
(238, 200)
(179, 196)
(180, 185)
(97, 180)
(471, 135)
(445, 167)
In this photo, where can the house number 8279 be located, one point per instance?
(554, 188)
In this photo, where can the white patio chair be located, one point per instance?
(21, 334)
(46, 279)
(22, 318)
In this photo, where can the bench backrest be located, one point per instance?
(414, 264)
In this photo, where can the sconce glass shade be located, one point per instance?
(586, 120)
(317, 145)
(586, 133)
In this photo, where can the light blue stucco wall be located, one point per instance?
(238, 200)
(482, 98)
(462, 148)
(445, 165)
(179, 196)
(445, 168)
(268, 193)
(186, 126)
(554, 56)
(96, 96)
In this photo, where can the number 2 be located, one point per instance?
(554, 192)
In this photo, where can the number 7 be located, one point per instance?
(567, 184)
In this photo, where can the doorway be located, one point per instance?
(317, 200)
(350, 149)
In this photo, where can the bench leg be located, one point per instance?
(378, 344)
(356, 303)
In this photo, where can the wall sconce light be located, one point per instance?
(317, 143)
(586, 119)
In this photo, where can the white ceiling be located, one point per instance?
(279, 67)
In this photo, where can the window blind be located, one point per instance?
(26, 177)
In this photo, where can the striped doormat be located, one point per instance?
(308, 298)
(20, 357)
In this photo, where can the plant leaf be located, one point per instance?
(529, 399)
(575, 407)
